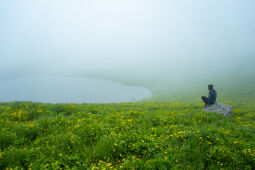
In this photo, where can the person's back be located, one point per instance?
(212, 96)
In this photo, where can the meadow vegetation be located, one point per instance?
(141, 135)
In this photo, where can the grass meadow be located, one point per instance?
(141, 135)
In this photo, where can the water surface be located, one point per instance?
(69, 90)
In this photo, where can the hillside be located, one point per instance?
(143, 135)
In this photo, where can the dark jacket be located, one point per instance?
(212, 97)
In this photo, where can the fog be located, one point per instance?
(140, 42)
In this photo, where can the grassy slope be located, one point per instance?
(156, 133)
(142, 135)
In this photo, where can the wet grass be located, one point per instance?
(143, 135)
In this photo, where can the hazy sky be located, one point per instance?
(81, 35)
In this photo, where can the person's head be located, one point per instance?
(210, 87)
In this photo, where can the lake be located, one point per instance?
(69, 90)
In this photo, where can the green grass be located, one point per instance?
(143, 135)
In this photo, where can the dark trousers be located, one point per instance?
(205, 99)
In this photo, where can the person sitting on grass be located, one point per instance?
(211, 98)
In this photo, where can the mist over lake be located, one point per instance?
(69, 90)
(166, 46)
